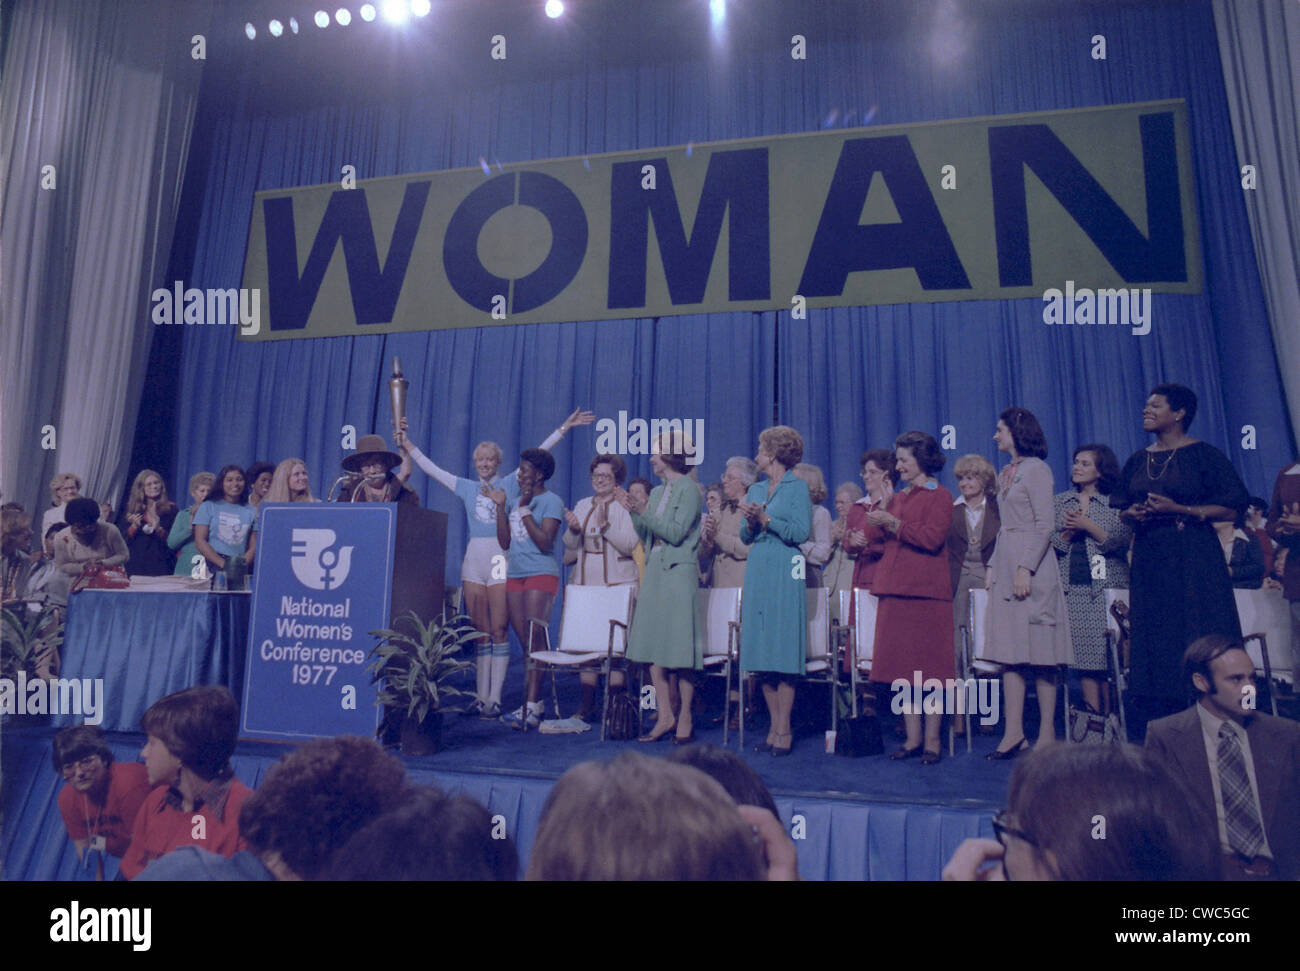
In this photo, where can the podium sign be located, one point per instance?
(322, 584)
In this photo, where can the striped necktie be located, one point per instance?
(1245, 832)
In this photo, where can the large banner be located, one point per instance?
(977, 209)
(322, 585)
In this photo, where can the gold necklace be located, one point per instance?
(1156, 476)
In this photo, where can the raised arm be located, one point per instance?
(578, 418)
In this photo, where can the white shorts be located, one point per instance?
(477, 566)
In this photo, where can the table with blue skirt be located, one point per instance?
(147, 645)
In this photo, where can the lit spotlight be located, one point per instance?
(251, 31)
(367, 12)
(276, 28)
(322, 19)
(554, 8)
(717, 12)
(343, 16)
(420, 7)
(293, 24)
(395, 11)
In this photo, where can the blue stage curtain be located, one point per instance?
(147, 645)
(847, 378)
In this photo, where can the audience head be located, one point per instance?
(50, 534)
(82, 757)
(542, 462)
(1256, 509)
(731, 772)
(231, 486)
(813, 478)
(64, 487)
(612, 471)
(639, 488)
(920, 448)
(15, 532)
(148, 487)
(713, 498)
(290, 482)
(878, 468)
(1060, 795)
(640, 818)
(1096, 463)
(83, 518)
(1221, 675)
(430, 836)
(1026, 434)
(1168, 405)
(196, 728)
(975, 476)
(317, 798)
(782, 444)
(487, 459)
(740, 473)
(846, 494)
(201, 485)
(258, 476)
(674, 449)
(12, 507)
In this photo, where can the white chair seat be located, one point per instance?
(812, 667)
(565, 657)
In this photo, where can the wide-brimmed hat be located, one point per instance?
(367, 446)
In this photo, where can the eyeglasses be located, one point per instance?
(601, 477)
(86, 762)
(1002, 828)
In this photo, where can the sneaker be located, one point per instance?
(564, 726)
(490, 711)
(517, 721)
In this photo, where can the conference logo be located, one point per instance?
(316, 562)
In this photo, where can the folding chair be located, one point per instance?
(717, 629)
(1266, 614)
(593, 636)
(819, 661)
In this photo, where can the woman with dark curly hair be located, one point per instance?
(1173, 492)
(1027, 625)
(1091, 542)
(914, 614)
(774, 605)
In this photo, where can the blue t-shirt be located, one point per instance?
(228, 525)
(480, 509)
(526, 560)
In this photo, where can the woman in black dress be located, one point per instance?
(1172, 493)
(146, 525)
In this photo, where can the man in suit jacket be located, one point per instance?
(1242, 766)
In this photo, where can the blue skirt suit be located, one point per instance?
(773, 607)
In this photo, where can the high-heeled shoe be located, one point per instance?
(778, 750)
(931, 758)
(684, 739)
(905, 753)
(652, 737)
(763, 747)
(998, 755)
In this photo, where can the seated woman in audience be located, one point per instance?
(527, 530)
(16, 559)
(663, 627)
(838, 575)
(971, 540)
(181, 536)
(1056, 798)
(1091, 542)
(638, 818)
(147, 524)
(102, 797)
(599, 538)
(258, 476)
(64, 487)
(1242, 554)
(226, 527)
(290, 483)
(817, 550)
(86, 542)
(720, 540)
(484, 588)
(914, 616)
(773, 607)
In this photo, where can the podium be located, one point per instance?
(327, 575)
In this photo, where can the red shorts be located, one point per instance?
(543, 582)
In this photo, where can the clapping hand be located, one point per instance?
(878, 517)
(135, 519)
(496, 495)
(574, 522)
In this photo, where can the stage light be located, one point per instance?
(717, 13)
(420, 8)
(367, 12)
(293, 24)
(343, 16)
(251, 31)
(554, 8)
(395, 11)
(276, 28)
(322, 19)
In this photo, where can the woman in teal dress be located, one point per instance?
(774, 608)
(663, 628)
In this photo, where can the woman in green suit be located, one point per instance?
(663, 629)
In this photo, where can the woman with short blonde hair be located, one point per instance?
(64, 487)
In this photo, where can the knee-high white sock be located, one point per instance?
(483, 662)
(500, 661)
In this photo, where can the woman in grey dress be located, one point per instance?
(1026, 624)
(1091, 544)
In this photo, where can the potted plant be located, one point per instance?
(30, 641)
(415, 671)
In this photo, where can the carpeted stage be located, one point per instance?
(853, 819)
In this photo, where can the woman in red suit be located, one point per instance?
(861, 539)
(912, 582)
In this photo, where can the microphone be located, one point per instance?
(345, 477)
